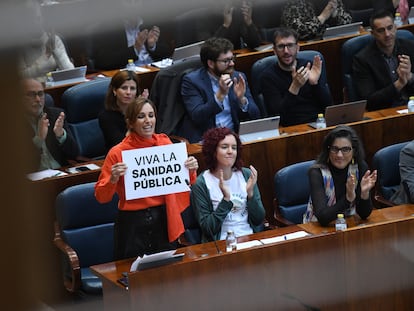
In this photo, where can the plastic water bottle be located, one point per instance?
(340, 223)
(320, 121)
(49, 79)
(231, 241)
(397, 20)
(410, 104)
(130, 65)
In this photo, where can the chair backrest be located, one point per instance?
(82, 104)
(192, 231)
(204, 22)
(260, 65)
(386, 161)
(87, 225)
(49, 101)
(166, 94)
(350, 48)
(292, 190)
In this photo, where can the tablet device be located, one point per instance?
(342, 30)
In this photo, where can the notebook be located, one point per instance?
(344, 113)
(187, 51)
(67, 76)
(411, 16)
(342, 30)
(259, 129)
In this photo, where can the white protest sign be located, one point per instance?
(155, 171)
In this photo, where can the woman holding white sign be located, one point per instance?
(225, 196)
(145, 225)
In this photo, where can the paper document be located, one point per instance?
(248, 244)
(45, 174)
(155, 260)
(285, 237)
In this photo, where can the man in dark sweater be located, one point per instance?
(293, 87)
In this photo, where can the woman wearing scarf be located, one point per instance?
(146, 225)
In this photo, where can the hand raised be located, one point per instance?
(315, 72)
(251, 182)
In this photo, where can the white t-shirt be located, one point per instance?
(237, 218)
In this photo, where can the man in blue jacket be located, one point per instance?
(215, 95)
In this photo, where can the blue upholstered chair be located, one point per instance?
(292, 193)
(386, 161)
(82, 104)
(260, 65)
(84, 235)
(49, 102)
(192, 233)
(349, 49)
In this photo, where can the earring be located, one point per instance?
(353, 161)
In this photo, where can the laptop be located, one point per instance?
(186, 51)
(342, 30)
(68, 76)
(259, 129)
(411, 16)
(344, 113)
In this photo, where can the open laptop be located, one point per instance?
(67, 76)
(411, 16)
(342, 30)
(259, 129)
(186, 51)
(344, 113)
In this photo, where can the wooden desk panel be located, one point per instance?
(348, 270)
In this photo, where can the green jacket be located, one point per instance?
(211, 220)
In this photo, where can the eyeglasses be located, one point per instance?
(227, 60)
(33, 94)
(290, 46)
(382, 29)
(344, 150)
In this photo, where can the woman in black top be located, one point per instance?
(122, 90)
(340, 181)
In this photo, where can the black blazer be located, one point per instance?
(69, 150)
(371, 78)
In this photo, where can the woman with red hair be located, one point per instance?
(225, 196)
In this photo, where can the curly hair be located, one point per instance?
(211, 139)
(117, 80)
(212, 48)
(342, 131)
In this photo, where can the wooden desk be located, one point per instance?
(363, 268)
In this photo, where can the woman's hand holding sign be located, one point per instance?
(118, 170)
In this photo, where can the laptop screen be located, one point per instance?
(66, 76)
(259, 129)
(186, 51)
(342, 30)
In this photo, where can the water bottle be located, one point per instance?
(410, 104)
(397, 20)
(320, 121)
(130, 65)
(231, 241)
(49, 79)
(340, 223)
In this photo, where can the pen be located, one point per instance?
(285, 237)
(57, 174)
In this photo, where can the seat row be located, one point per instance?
(88, 240)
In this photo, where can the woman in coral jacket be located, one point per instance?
(146, 225)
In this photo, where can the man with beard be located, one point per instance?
(291, 87)
(215, 95)
(382, 71)
(51, 141)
